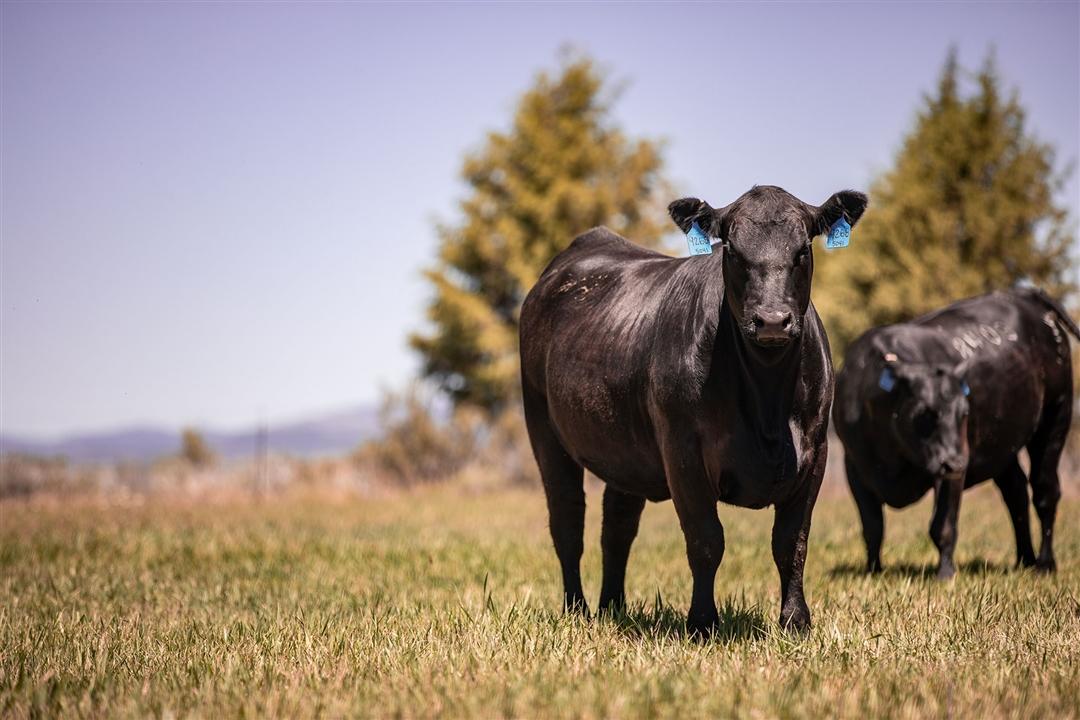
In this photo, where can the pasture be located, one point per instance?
(446, 602)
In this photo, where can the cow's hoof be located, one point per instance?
(796, 623)
(873, 567)
(612, 606)
(576, 606)
(1046, 566)
(700, 625)
(945, 572)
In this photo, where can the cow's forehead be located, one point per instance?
(768, 217)
(765, 203)
(930, 382)
(764, 238)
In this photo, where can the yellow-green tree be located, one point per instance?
(194, 449)
(969, 207)
(562, 168)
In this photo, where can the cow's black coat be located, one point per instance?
(700, 379)
(908, 426)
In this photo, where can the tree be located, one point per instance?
(194, 449)
(416, 444)
(562, 168)
(969, 207)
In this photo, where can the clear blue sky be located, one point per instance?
(214, 213)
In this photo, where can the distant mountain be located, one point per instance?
(331, 434)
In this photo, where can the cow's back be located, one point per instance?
(589, 332)
(1017, 359)
(578, 280)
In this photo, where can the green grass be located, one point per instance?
(440, 602)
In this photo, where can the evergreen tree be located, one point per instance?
(195, 450)
(562, 168)
(969, 207)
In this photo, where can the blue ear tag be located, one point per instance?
(964, 388)
(887, 380)
(698, 241)
(839, 234)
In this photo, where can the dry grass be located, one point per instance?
(444, 602)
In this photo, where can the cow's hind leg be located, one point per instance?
(791, 531)
(1013, 486)
(622, 513)
(870, 514)
(1045, 451)
(564, 486)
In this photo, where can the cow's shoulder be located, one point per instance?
(597, 250)
(606, 242)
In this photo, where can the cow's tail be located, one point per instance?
(1063, 317)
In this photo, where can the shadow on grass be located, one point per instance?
(738, 623)
(978, 566)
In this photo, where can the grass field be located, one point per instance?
(440, 602)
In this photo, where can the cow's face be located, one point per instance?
(929, 414)
(766, 238)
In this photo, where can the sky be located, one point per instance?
(217, 214)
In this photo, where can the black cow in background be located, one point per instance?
(946, 401)
(700, 379)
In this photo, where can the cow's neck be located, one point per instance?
(767, 386)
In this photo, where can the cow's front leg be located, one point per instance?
(947, 493)
(704, 550)
(791, 530)
(695, 503)
(873, 520)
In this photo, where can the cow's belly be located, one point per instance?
(611, 439)
(1000, 438)
(631, 468)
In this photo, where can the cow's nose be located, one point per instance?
(772, 325)
(952, 465)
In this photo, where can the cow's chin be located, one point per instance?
(768, 351)
(771, 343)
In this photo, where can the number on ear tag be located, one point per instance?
(839, 234)
(698, 241)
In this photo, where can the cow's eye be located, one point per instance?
(925, 423)
(802, 255)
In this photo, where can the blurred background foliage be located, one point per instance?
(562, 168)
(968, 207)
(423, 441)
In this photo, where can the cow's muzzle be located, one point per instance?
(772, 328)
(952, 467)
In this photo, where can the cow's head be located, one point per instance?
(768, 261)
(928, 411)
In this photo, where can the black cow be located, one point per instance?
(699, 379)
(946, 401)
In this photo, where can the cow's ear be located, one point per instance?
(690, 210)
(847, 204)
(887, 379)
